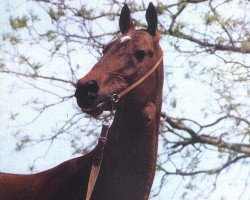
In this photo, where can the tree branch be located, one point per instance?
(210, 171)
(206, 139)
(51, 78)
(215, 47)
(195, 1)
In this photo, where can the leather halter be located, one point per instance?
(116, 97)
(99, 149)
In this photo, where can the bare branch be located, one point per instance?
(206, 139)
(51, 78)
(214, 46)
(196, 1)
(210, 171)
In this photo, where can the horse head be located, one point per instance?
(125, 60)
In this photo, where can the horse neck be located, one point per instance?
(131, 150)
(131, 116)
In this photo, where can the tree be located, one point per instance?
(205, 130)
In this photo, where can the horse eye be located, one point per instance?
(140, 54)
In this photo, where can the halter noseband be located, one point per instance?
(116, 97)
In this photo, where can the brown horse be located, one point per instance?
(129, 79)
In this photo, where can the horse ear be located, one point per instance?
(125, 21)
(151, 17)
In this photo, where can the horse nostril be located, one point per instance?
(92, 86)
(92, 95)
(86, 93)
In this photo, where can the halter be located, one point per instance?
(99, 149)
(116, 97)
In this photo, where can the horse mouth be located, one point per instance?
(98, 109)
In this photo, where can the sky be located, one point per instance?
(17, 162)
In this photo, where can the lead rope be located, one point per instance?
(97, 158)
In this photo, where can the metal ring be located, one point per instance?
(103, 138)
(115, 98)
(105, 122)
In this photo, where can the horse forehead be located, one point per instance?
(136, 37)
(142, 39)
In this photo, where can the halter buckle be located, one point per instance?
(105, 122)
(115, 98)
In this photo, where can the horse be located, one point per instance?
(128, 79)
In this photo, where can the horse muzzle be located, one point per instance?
(89, 100)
